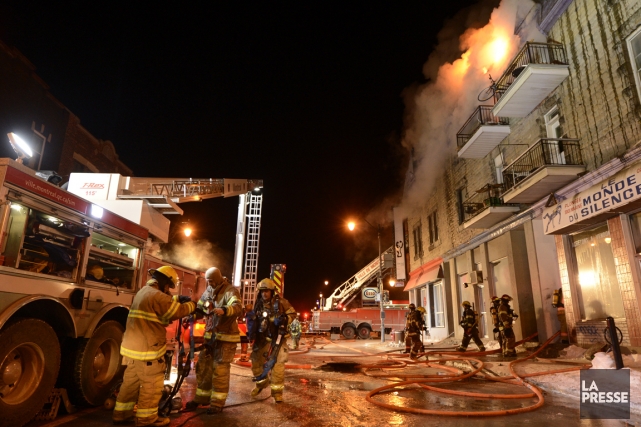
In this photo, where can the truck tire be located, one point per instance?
(29, 365)
(364, 332)
(349, 332)
(97, 365)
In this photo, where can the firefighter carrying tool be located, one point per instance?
(222, 301)
(144, 347)
(469, 322)
(414, 326)
(267, 328)
(494, 312)
(506, 318)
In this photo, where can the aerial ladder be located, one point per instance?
(346, 292)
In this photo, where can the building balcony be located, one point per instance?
(486, 208)
(542, 169)
(481, 133)
(535, 72)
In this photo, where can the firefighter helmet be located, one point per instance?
(266, 285)
(506, 297)
(412, 307)
(421, 309)
(466, 304)
(495, 298)
(168, 272)
(214, 275)
(96, 271)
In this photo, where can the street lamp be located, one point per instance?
(326, 282)
(351, 226)
(187, 231)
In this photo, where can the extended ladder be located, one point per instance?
(248, 236)
(357, 281)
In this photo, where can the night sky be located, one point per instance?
(304, 95)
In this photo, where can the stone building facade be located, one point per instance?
(60, 143)
(565, 119)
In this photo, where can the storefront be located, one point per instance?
(598, 241)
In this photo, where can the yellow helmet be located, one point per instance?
(421, 309)
(96, 271)
(466, 303)
(266, 284)
(168, 272)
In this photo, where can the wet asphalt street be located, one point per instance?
(333, 393)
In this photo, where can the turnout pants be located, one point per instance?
(277, 380)
(509, 342)
(212, 373)
(142, 383)
(295, 340)
(474, 335)
(413, 344)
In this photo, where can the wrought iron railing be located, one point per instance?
(531, 53)
(481, 116)
(544, 152)
(490, 195)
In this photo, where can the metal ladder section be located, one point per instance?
(357, 281)
(252, 238)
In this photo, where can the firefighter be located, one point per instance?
(413, 327)
(295, 331)
(221, 338)
(469, 322)
(557, 302)
(144, 345)
(244, 341)
(271, 312)
(494, 312)
(506, 318)
(423, 313)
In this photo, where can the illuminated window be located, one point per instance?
(436, 305)
(599, 295)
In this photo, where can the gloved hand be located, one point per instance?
(183, 299)
(462, 323)
(280, 320)
(187, 320)
(425, 328)
(495, 330)
(501, 328)
(515, 316)
(468, 331)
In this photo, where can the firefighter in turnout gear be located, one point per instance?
(144, 345)
(271, 313)
(413, 327)
(506, 318)
(494, 312)
(221, 303)
(469, 322)
(295, 330)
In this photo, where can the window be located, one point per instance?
(459, 202)
(433, 227)
(634, 47)
(418, 242)
(437, 317)
(498, 167)
(501, 277)
(599, 294)
(42, 243)
(554, 149)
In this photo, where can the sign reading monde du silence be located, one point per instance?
(605, 394)
(617, 191)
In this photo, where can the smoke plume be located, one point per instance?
(456, 71)
(198, 255)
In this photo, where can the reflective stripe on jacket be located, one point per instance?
(225, 326)
(145, 336)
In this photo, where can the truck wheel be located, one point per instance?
(97, 367)
(349, 332)
(29, 365)
(364, 332)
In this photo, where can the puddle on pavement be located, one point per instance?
(339, 385)
(344, 367)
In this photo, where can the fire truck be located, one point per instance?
(335, 317)
(69, 269)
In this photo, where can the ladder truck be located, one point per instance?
(71, 261)
(364, 320)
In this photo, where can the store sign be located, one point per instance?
(369, 294)
(610, 195)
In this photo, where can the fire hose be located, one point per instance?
(452, 375)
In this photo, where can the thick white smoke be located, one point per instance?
(436, 110)
(198, 255)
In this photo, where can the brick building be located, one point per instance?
(54, 133)
(540, 191)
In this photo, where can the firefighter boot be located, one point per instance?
(260, 385)
(159, 422)
(213, 410)
(191, 406)
(461, 349)
(129, 420)
(278, 397)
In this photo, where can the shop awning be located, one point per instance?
(428, 272)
